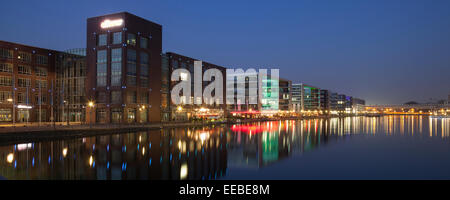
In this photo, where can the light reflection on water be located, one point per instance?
(202, 153)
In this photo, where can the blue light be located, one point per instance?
(15, 163)
(170, 157)
(107, 147)
(138, 147)
(49, 159)
(150, 162)
(160, 160)
(32, 162)
(107, 165)
(150, 145)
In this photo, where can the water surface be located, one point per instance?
(390, 147)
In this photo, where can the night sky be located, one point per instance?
(382, 51)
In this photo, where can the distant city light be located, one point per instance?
(10, 158)
(183, 171)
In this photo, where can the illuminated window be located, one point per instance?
(5, 115)
(5, 97)
(116, 115)
(5, 81)
(131, 115)
(6, 67)
(24, 57)
(131, 40)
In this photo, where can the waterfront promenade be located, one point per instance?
(48, 130)
(23, 132)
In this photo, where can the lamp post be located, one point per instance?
(91, 106)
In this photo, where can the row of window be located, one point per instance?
(22, 82)
(116, 97)
(116, 68)
(102, 40)
(117, 115)
(6, 53)
(23, 56)
(6, 98)
(23, 69)
(24, 98)
(22, 115)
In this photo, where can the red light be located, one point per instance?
(255, 129)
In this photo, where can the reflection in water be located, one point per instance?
(168, 154)
(193, 153)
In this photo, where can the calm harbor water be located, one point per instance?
(389, 147)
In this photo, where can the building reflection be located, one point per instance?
(198, 153)
(260, 144)
(171, 154)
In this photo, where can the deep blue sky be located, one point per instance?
(383, 51)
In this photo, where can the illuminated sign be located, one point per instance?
(111, 23)
(24, 107)
(21, 147)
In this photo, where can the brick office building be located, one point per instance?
(173, 61)
(29, 82)
(123, 69)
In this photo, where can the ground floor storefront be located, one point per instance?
(24, 113)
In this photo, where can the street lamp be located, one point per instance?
(91, 106)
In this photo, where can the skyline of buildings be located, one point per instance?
(126, 78)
